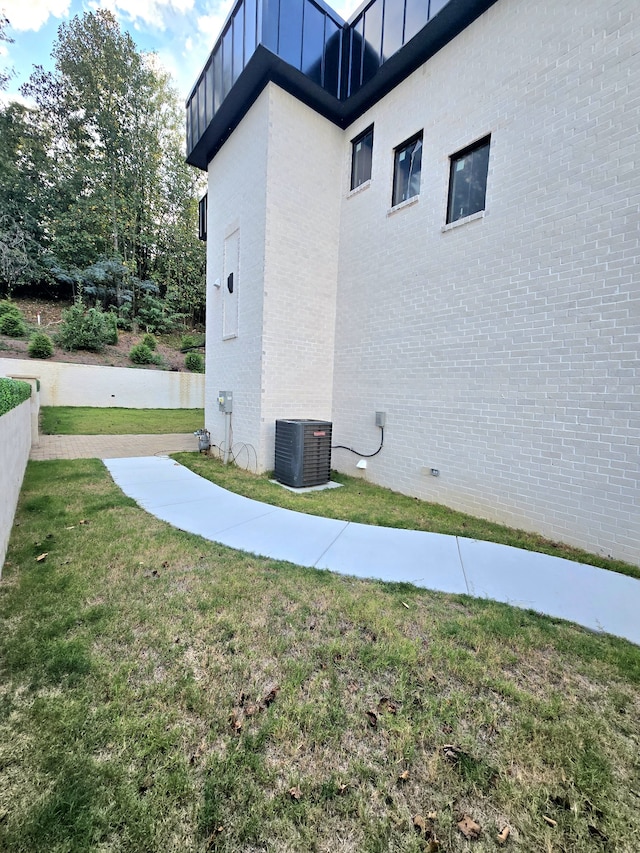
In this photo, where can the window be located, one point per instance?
(406, 170)
(202, 217)
(468, 180)
(361, 151)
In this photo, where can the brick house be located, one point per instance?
(433, 210)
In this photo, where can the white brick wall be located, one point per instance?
(503, 350)
(237, 199)
(278, 180)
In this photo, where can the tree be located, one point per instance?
(5, 76)
(116, 135)
(24, 187)
(14, 259)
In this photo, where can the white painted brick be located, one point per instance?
(504, 351)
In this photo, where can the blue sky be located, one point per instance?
(181, 32)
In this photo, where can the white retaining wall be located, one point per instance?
(65, 384)
(15, 446)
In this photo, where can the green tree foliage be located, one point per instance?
(95, 177)
(5, 76)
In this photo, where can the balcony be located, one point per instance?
(339, 69)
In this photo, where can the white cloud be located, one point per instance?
(34, 14)
(152, 12)
(210, 26)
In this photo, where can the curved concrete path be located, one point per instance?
(597, 599)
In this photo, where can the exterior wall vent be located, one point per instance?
(303, 452)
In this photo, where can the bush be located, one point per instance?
(12, 393)
(7, 307)
(154, 317)
(123, 317)
(84, 329)
(40, 346)
(112, 329)
(187, 341)
(141, 354)
(149, 341)
(194, 362)
(13, 325)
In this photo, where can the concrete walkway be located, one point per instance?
(597, 599)
(107, 446)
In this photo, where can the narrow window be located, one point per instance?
(468, 180)
(202, 217)
(406, 170)
(361, 152)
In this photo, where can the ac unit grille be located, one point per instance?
(303, 452)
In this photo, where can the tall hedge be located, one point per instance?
(12, 393)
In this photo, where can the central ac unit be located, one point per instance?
(303, 452)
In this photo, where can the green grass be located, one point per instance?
(360, 501)
(85, 420)
(158, 692)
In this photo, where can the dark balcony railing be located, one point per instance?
(303, 33)
(338, 68)
(380, 30)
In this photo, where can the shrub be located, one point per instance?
(123, 317)
(194, 362)
(112, 329)
(13, 325)
(187, 341)
(12, 393)
(84, 329)
(7, 307)
(154, 316)
(141, 354)
(40, 346)
(149, 341)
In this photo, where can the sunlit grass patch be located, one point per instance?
(158, 692)
(88, 420)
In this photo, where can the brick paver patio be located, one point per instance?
(110, 446)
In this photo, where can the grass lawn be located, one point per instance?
(86, 420)
(162, 693)
(366, 503)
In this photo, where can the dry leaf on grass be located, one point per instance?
(295, 793)
(270, 697)
(419, 824)
(549, 820)
(468, 827)
(373, 719)
(42, 557)
(452, 752)
(388, 705)
(502, 836)
(235, 721)
(404, 776)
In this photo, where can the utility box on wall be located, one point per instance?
(303, 452)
